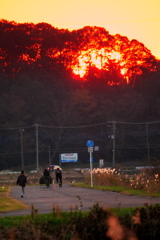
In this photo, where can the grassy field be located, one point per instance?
(102, 181)
(98, 223)
(56, 218)
(133, 223)
(67, 223)
(9, 204)
(120, 189)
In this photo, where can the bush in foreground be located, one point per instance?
(98, 223)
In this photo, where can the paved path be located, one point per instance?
(69, 197)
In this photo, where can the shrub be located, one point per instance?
(145, 223)
(42, 180)
(93, 226)
(98, 223)
(148, 179)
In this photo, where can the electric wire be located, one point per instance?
(80, 126)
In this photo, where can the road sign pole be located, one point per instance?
(37, 148)
(91, 159)
(114, 138)
(90, 145)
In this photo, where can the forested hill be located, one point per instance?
(61, 77)
(78, 52)
(59, 88)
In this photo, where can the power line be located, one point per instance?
(16, 128)
(79, 126)
(139, 123)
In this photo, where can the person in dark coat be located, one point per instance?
(21, 181)
(46, 174)
(58, 173)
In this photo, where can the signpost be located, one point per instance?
(101, 163)
(90, 149)
(90, 145)
(69, 157)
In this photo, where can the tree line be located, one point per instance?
(39, 84)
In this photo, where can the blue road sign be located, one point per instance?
(90, 143)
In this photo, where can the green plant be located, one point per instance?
(4, 189)
(42, 180)
(98, 223)
(93, 226)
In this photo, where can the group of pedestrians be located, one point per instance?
(58, 175)
(22, 179)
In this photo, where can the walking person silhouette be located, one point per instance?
(21, 181)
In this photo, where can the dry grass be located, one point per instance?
(147, 180)
(9, 204)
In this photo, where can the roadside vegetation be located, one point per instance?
(145, 183)
(97, 223)
(7, 203)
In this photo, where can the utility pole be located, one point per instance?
(37, 151)
(114, 142)
(148, 150)
(90, 145)
(49, 149)
(91, 166)
(22, 152)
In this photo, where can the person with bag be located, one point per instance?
(21, 181)
(58, 173)
(46, 175)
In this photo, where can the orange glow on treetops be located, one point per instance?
(95, 58)
(90, 52)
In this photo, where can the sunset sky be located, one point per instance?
(138, 19)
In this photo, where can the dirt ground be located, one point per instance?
(9, 178)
